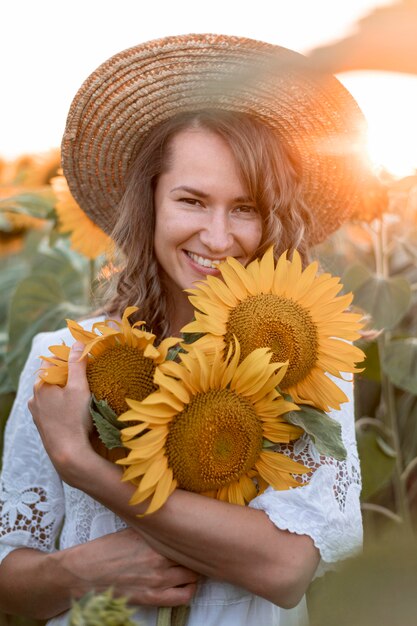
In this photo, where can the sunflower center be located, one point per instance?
(121, 372)
(269, 320)
(214, 440)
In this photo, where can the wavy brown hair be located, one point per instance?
(269, 172)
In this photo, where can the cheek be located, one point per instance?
(253, 236)
(169, 231)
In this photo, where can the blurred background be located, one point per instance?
(54, 262)
(48, 48)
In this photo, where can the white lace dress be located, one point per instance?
(35, 506)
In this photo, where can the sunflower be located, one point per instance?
(85, 236)
(121, 363)
(203, 429)
(31, 171)
(121, 360)
(294, 312)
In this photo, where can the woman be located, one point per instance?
(188, 150)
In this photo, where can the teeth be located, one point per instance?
(212, 263)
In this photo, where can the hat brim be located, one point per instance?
(134, 90)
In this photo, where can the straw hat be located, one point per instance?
(137, 88)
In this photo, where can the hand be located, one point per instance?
(124, 561)
(61, 414)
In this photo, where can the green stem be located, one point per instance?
(388, 391)
(173, 616)
(381, 510)
(180, 615)
(400, 491)
(164, 616)
(92, 277)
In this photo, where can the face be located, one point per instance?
(203, 212)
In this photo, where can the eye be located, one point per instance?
(246, 209)
(190, 201)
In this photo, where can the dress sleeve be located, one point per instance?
(328, 507)
(31, 494)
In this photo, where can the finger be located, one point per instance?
(177, 576)
(174, 596)
(77, 367)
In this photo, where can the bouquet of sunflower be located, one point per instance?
(252, 372)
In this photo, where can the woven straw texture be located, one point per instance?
(138, 88)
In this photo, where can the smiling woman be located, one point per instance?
(187, 150)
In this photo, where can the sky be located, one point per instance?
(49, 47)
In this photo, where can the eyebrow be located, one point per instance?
(202, 194)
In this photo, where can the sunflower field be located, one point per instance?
(55, 264)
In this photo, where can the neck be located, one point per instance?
(180, 313)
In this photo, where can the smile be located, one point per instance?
(204, 262)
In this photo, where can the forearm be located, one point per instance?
(233, 543)
(34, 584)
(219, 540)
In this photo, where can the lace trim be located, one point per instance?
(29, 511)
(304, 451)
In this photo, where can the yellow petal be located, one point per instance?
(233, 281)
(247, 488)
(266, 271)
(163, 490)
(154, 473)
(173, 386)
(244, 276)
(235, 495)
(222, 291)
(54, 376)
(281, 275)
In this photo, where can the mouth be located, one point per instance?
(204, 261)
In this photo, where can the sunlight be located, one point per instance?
(389, 102)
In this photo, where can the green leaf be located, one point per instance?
(355, 276)
(6, 403)
(104, 409)
(376, 465)
(13, 270)
(407, 421)
(192, 337)
(267, 444)
(36, 204)
(174, 352)
(38, 305)
(6, 384)
(106, 423)
(400, 363)
(70, 269)
(325, 432)
(109, 434)
(386, 300)
(372, 364)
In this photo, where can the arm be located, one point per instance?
(41, 585)
(217, 539)
(36, 580)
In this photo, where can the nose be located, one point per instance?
(217, 233)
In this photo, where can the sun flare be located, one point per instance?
(389, 102)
